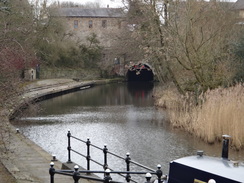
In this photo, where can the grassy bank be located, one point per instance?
(220, 113)
(47, 73)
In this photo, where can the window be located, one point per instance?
(104, 23)
(75, 24)
(90, 23)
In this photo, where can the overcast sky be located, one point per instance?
(104, 3)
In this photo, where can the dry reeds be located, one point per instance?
(220, 113)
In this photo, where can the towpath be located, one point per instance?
(24, 161)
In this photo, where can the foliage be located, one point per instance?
(58, 55)
(202, 50)
(69, 57)
(129, 41)
(238, 51)
(200, 44)
(57, 45)
(51, 39)
(147, 33)
(16, 45)
(17, 34)
(187, 41)
(91, 52)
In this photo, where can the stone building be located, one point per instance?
(239, 7)
(106, 23)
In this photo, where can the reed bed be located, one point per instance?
(221, 112)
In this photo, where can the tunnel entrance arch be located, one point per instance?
(140, 72)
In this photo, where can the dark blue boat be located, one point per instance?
(205, 169)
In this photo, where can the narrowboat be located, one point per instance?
(206, 169)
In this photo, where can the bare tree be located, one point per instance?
(16, 54)
(16, 48)
(198, 41)
(187, 41)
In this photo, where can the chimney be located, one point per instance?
(225, 147)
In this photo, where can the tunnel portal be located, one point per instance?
(139, 72)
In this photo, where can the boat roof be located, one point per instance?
(218, 166)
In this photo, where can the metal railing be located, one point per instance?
(76, 174)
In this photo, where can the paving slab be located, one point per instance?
(25, 161)
(29, 163)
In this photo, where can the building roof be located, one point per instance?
(92, 12)
(239, 5)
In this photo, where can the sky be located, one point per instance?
(104, 3)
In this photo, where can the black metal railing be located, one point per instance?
(76, 174)
(83, 174)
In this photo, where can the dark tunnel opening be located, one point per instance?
(140, 72)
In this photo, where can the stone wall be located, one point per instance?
(47, 73)
(106, 29)
(107, 33)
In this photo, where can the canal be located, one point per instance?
(122, 116)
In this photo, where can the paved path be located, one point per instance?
(26, 161)
(48, 87)
(5, 175)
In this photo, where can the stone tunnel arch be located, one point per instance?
(140, 72)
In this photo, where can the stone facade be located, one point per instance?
(106, 23)
(239, 7)
(82, 27)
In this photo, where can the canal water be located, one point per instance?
(122, 116)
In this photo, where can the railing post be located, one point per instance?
(107, 177)
(105, 151)
(51, 172)
(148, 177)
(76, 174)
(88, 157)
(159, 173)
(127, 160)
(69, 147)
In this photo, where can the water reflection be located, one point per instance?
(143, 89)
(119, 115)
